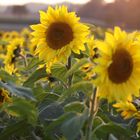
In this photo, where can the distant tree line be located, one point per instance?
(125, 13)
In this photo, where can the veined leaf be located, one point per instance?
(58, 122)
(51, 111)
(74, 106)
(71, 128)
(58, 70)
(84, 86)
(18, 90)
(38, 74)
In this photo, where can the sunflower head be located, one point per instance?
(6, 35)
(25, 33)
(14, 50)
(118, 67)
(14, 35)
(58, 34)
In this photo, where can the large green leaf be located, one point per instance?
(52, 111)
(58, 122)
(18, 90)
(71, 128)
(23, 109)
(58, 70)
(74, 106)
(84, 86)
(38, 74)
(117, 130)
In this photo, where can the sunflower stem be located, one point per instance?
(71, 76)
(93, 109)
(25, 60)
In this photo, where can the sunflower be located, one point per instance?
(118, 67)
(91, 47)
(58, 34)
(3, 43)
(14, 50)
(4, 96)
(25, 33)
(130, 109)
(126, 108)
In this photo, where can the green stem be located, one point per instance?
(71, 76)
(25, 60)
(92, 114)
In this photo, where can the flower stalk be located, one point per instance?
(71, 76)
(93, 107)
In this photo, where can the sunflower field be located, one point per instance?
(62, 79)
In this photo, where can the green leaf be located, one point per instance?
(46, 98)
(74, 106)
(71, 128)
(39, 93)
(57, 122)
(7, 77)
(18, 90)
(51, 111)
(33, 63)
(76, 67)
(112, 137)
(23, 109)
(84, 86)
(38, 74)
(58, 70)
(17, 128)
(112, 128)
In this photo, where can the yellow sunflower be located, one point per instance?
(129, 109)
(26, 33)
(14, 50)
(126, 108)
(91, 47)
(118, 67)
(88, 70)
(14, 35)
(3, 43)
(58, 34)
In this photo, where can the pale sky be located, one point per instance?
(21, 2)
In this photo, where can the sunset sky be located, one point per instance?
(20, 2)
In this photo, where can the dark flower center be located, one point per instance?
(59, 34)
(17, 51)
(122, 66)
(16, 54)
